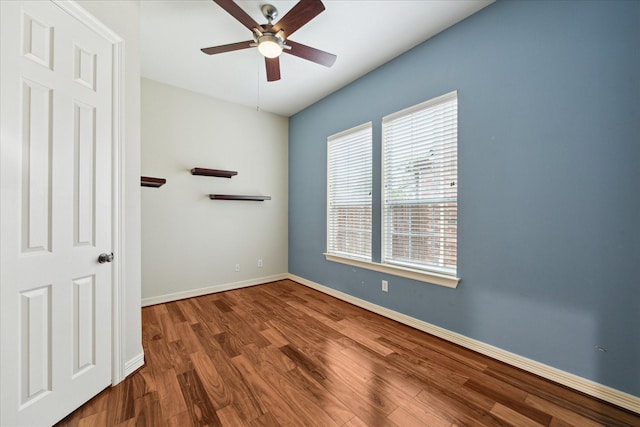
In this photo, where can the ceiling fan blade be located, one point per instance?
(303, 12)
(311, 54)
(236, 11)
(273, 68)
(227, 47)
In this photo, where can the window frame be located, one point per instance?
(386, 256)
(331, 249)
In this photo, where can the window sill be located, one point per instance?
(423, 276)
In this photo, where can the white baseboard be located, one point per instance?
(573, 381)
(133, 364)
(210, 290)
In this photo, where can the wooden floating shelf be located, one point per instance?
(232, 197)
(149, 181)
(213, 172)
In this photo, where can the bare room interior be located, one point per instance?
(320, 213)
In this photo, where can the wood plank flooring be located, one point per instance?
(282, 354)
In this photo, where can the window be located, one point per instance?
(349, 176)
(419, 209)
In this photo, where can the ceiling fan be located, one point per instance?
(273, 39)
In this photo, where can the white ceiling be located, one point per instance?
(363, 34)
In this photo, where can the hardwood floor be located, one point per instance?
(282, 354)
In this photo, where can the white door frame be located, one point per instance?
(118, 185)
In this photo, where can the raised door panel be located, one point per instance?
(84, 129)
(35, 345)
(37, 129)
(37, 40)
(84, 324)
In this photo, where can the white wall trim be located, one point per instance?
(133, 364)
(118, 372)
(573, 381)
(396, 270)
(212, 289)
(118, 366)
(79, 13)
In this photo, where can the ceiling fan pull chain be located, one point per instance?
(258, 91)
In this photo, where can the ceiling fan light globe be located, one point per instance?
(269, 46)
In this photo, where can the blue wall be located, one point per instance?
(549, 183)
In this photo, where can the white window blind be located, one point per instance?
(420, 169)
(349, 178)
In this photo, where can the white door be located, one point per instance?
(55, 212)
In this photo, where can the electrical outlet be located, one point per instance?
(385, 286)
(237, 267)
(259, 263)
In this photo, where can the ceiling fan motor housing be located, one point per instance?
(269, 11)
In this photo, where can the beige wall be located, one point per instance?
(190, 244)
(123, 17)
